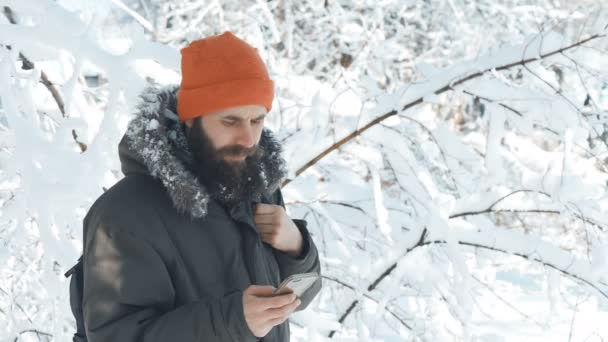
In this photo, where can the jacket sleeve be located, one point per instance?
(307, 262)
(128, 296)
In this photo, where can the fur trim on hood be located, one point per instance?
(155, 144)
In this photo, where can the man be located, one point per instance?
(190, 244)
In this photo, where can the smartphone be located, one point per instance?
(297, 283)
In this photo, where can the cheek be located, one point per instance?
(258, 134)
(222, 141)
(217, 133)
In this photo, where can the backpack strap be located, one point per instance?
(73, 269)
(76, 288)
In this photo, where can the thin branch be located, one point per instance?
(37, 332)
(575, 310)
(527, 257)
(143, 21)
(422, 242)
(506, 302)
(570, 102)
(487, 99)
(441, 90)
(377, 281)
(44, 79)
(28, 65)
(345, 204)
(489, 209)
(370, 298)
(432, 137)
(343, 317)
(394, 265)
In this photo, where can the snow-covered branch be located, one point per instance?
(459, 74)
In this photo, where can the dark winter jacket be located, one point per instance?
(163, 261)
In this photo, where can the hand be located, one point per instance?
(277, 229)
(263, 311)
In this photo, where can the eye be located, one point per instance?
(229, 123)
(257, 121)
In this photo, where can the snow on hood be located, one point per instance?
(155, 144)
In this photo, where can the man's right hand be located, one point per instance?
(263, 310)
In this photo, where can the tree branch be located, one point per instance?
(506, 302)
(28, 65)
(368, 297)
(377, 281)
(487, 99)
(490, 209)
(419, 100)
(528, 256)
(37, 332)
(44, 79)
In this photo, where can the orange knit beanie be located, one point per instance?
(219, 72)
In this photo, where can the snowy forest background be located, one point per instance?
(450, 156)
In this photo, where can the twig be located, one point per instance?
(422, 242)
(28, 65)
(37, 332)
(487, 99)
(44, 79)
(343, 317)
(394, 265)
(573, 317)
(490, 209)
(370, 298)
(561, 94)
(527, 257)
(343, 204)
(143, 21)
(505, 301)
(377, 281)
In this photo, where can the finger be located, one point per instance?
(265, 213)
(266, 228)
(260, 290)
(265, 219)
(283, 311)
(277, 321)
(267, 235)
(276, 301)
(267, 225)
(265, 209)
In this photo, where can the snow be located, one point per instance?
(479, 214)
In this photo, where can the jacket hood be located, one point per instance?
(155, 144)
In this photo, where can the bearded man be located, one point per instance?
(191, 243)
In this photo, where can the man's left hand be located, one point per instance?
(277, 229)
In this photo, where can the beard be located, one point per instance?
(228, 182)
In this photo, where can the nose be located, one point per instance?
(246, 136)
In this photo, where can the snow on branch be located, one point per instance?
(457, 75)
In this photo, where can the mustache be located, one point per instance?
(238, 151)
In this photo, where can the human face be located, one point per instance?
(234, 130)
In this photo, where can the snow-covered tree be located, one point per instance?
(449, 155)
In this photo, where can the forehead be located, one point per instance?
(244, 112)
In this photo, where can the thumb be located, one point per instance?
(260, 290)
